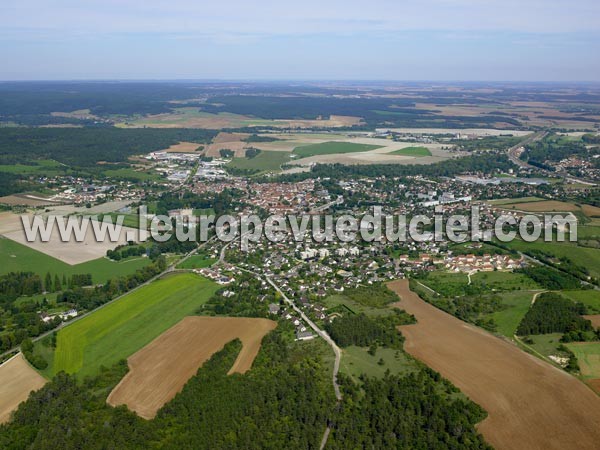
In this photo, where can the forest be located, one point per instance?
(553, 313)
(551, 278)
(364, 331)
(85, 147)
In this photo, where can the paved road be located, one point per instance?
(513, 152)
(323, 334)
(513, 155)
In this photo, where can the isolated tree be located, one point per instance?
(57, 285)
(48, 282)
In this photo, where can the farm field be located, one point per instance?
(17, 380)
(71, 251)
(193, 117)
(356, 361)
(531, 404)
(160, 369)
(589, 297)
(23, 258)
(132, 174)
(17, 257)
(46, 167)
(265, 161)
(543, 206)
(508, 201)
(197, 262)
(185, 147)
(468, 131)
(588, 357)
(594, 318)
(582, 256)
(332, 147)
(508, 320)
(119, 329)
(530, 204)
(412, 151)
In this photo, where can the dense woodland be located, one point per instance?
(550, 278)
(364, 331)
(417, 411)
(84, 147)
(553, 313)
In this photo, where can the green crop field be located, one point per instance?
(119, 329)
(133, 175)
(509, 201)
(588, 357)
(197, 262)
(517, 304)
(328, 148)
(590, 298)
(20, 258)
(582, 256)
(412, 151)
(264, 161)
(45, 167)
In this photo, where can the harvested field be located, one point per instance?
(550, 206)
(543, 206)
(463, 131)
(17, 380)
(595, 319)
(193, 117)
(72, 252)
(160, 369)
(531, 404)
(590, 211)
(229, 141)
(27, 200)
(184, 147)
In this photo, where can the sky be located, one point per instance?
(437, 40)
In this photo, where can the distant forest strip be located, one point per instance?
(85, 147)
(485, 163)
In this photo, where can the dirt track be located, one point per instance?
(531, 404)
(17, 380)
(160, 370)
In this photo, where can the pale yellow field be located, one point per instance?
(17, 380)
(160, 370)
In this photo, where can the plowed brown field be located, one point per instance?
(160, 369)
(530, 404)
(17, 380)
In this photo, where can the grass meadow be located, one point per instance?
(332, 147)
(412, 151)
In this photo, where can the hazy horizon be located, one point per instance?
(431, 40)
